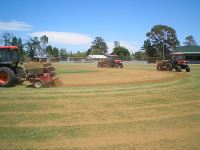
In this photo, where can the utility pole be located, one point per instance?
(163, 51)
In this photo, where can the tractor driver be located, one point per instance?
(174, 58)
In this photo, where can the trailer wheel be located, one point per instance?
(37, 84)
(7, 77)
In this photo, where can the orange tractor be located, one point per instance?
(11, 73)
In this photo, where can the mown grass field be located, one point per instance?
(160, 114)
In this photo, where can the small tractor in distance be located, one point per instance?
(112, 61)
(39, 74)
(176, 61)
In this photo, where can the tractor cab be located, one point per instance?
(9, 55)
(10, 72)
(176, 61)
(179, 58)
(115, 59)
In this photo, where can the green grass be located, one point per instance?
(153, 115)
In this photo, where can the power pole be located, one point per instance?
(163, 51)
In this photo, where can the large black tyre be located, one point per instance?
(187, 69)
(116, 66)
(178, 69)
(7, 77)
(121, 66)
(99, 65)
(159, 68)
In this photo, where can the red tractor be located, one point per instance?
(177, 61)
(112, 61)
(11, 73)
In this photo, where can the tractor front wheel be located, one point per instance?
(187, 69)
(99, 65)
(159, 68)
(7, 77)
(37, 84)
(169, 66)
(178, 69)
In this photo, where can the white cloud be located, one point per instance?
(65, 38)
(131, 46)
(14, 26)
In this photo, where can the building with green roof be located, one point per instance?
(192, 53)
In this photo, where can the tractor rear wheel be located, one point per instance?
(7, 77)
(37, 84)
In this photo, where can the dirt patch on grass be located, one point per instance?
(112, 76)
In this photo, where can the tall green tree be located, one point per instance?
(190, 41)
(121, 51)
(63, 53)
(150, 51)
(44, 41)
(33, 47)
(55, 52)
(140, 55)
(79, 54)
(49, 50)
(6, 38)
(98, 47)
(36, 47)
(30, 49)
(163, 39)
(18, 42)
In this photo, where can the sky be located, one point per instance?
(73, 24)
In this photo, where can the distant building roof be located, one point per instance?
(96, 57)
(188, 49)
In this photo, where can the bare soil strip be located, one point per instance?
(117, 77)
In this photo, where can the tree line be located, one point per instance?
(160, 42)
(39, 47)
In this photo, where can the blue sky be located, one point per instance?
(73, 24)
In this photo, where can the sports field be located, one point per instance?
(135, 107)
